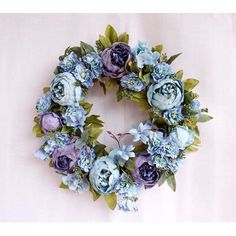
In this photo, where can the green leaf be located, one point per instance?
(62, 185)
(192, 148)
(95, 194)
(172, 58)
(189, 96)
(77, 51)
(104, 41)
(87, 106)
(171, 182)
(189, 84)
(111, 200)
(111, 34)
(158, 48)
(99, 149)
(140, 148)
(179, 74)
(37, 128)
(66, 129)
(102, 84)
(110, 83)
(57, 70)
(124, 37)
(86, 48)
(46, 89)
(204, 117)
(94, 131)
(162, 179)
(144, 105)
(99, 46)
(94, 119)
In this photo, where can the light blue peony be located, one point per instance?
(51, 143)
(173, 115)
(141, 133)
(74, 116)
(122, 155)
(144, 56)
(182, 136)
(104, 175)
(132, 82)
(76, 182)
(69, 62)
(166, 94)
(161, 71)
(94, 62)
(86, 158)
(64, 91)
(127, 203)
(44, 103)
(84, 75)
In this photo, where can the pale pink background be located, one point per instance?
(29, 48)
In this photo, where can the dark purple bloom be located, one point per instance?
(65, 158)
(50, 122)
(145, 173)
(114, 60)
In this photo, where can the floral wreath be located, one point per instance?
(71, 133)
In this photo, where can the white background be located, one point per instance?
(29, 48)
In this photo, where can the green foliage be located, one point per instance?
(189, 96)
(87, 106)
(131, 66)
(85, 48)
(158, 48)
(130, 164)
(204, 117)
(171, 181)
(124, 37)
(179, 74)
(111, 200)
(111, 34)
(93, 119)
(62, 185)
(95, 194)
(57, 70)
(104, 41)
(100, 149)
(46, 89)
(67, 129)
(172, 58)
(189, 84)
(140, 148)
(37, 128)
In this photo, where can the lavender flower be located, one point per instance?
(50, 122)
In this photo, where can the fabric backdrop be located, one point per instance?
(29, 47)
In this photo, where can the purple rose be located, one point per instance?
(65, 158)
(50, 122)
(114, 60)
(145, 173)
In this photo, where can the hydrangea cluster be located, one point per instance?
(159, 144)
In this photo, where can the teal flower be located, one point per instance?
(132, 82)
(76, 182)
(104, 175)
(182, 136)
(144, 56)
(166, 94)
(64, 91)
(161, 71)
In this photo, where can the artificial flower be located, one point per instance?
(173, 115)
(161, 71)
(44, 103)
(69, 62)
(50, 121)
(132, 82)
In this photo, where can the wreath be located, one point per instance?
(71, 132)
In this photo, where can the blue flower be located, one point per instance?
(127, 203)
(144, 56)
(122, 154)
(74, 116)
(142, 132)
(173, 115)
(64, 90)
(161, 71)
(69, 62)
(51, 143)
(94, 61)
(160, 146)
(86, 158)
(132, 82)
(104, 175)
(182, 136)
(196, 106)
(44, 103)
(84, 75)
(75, 182)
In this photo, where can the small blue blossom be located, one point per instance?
(132, 82)
(44, 103)
(69, 63)
(84, 75)
(86, 158)
(74, 116)
(160, 146)
(142, 132)
(127, 203)
(144, 56)
(122, 154)
(51, 143)
(75, 182)
(173, 115)
(161, 71)
(196, 106)
(94, 61)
